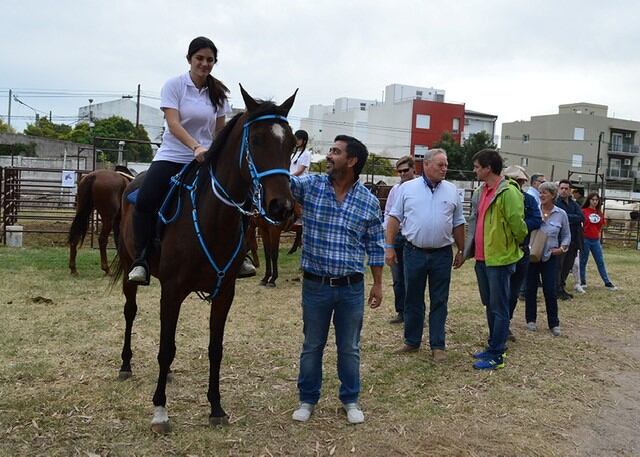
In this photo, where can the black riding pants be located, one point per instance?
(156, 185)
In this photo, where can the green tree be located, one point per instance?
(45, 128)
(5, 128)
(455, 153)
(119, 128)
(476, 142)
(81, 133)
(377, 165)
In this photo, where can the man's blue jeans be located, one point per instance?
(494, 286)
(319, 303)
(548, 271)
(595, 248)
(397, 273)
(418, 266)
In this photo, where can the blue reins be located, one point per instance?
(256, 192)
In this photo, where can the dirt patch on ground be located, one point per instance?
(615, 429)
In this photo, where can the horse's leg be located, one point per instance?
(218, 318)
(130, 309)
(275, 248)
(73, 251)
(170, 301)
(103, 240)
(266, 244)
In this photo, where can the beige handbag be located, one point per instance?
(537, 240)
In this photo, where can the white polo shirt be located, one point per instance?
(197, 115)
(428, 217)
(300, 158)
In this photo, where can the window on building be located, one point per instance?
(576, 161)
(525, 138)
(578, 133)
(456, 125)
(363, 106)
(419, 94)
(466, 121)
(423, 121)
(420, 150)
(524, 161)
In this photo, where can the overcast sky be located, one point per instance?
(499, 57)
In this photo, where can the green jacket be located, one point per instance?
(504, 226)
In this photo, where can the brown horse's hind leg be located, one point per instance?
(103, 240)
(170, 302)
(130, 309)
(73, 251)
(218, 318)
(296, 243)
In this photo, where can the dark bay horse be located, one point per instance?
(270, 235)
(246, 166)
(102, 190)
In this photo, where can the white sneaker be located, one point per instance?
(531, 326)
(578, 288)
(246, 269)
(354, 413)
(555, 331)
(303, 413)
(138, 274)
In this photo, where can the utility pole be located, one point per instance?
(9, 112)
(138, 108)
(598, 155)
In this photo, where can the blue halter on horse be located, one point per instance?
(256, 192)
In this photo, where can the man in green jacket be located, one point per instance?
(496, 231)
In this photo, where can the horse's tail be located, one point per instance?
(116, 268)
(84, 207)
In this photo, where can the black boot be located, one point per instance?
(143, 231)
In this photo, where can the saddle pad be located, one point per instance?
(133, 196)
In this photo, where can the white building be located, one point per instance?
(151, 118)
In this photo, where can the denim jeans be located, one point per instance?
(595, 248)
(494, 286)
(518, 282)
(319, 303)
(418, 267)
(397, 273)
(549, 272)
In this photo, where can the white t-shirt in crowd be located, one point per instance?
(299, 158)
(197, 115)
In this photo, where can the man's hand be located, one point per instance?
(375, 296)
(390, 256)
(458, 260)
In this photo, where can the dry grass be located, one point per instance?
(59, 393)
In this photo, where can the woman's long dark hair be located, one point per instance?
(587, 201)
(297, 152)
(217, 90)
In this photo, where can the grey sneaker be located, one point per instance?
(246, 269)
(138, 274)
(555, 331)
(531, 326)
(354, 413)
(303, 413)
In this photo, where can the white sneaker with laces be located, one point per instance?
(354, 413)
(138, 274)
(578, 288)
(303, 413)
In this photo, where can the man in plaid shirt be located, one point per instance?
(342, 221)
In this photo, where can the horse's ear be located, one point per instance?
(249, 102)
(288, 103)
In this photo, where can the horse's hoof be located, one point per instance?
(124, 375)
(263, 283)
(74, 273)
(161, 428)
(270, 284)
(218, 421)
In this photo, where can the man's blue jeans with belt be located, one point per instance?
(321, 302)
(419, 266)
(494, 286)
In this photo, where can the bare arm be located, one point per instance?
(393, 226)
(458, 236)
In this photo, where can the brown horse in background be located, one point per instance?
(102, 190)
(270, 235)
(201, 249)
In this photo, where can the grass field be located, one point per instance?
(60, 342)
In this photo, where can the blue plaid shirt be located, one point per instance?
(337, 235)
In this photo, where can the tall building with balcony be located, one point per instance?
(575, 139)
(409, 121)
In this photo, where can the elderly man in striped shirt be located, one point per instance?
(342, 222)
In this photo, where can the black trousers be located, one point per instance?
(566, 264)
(156, 185)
